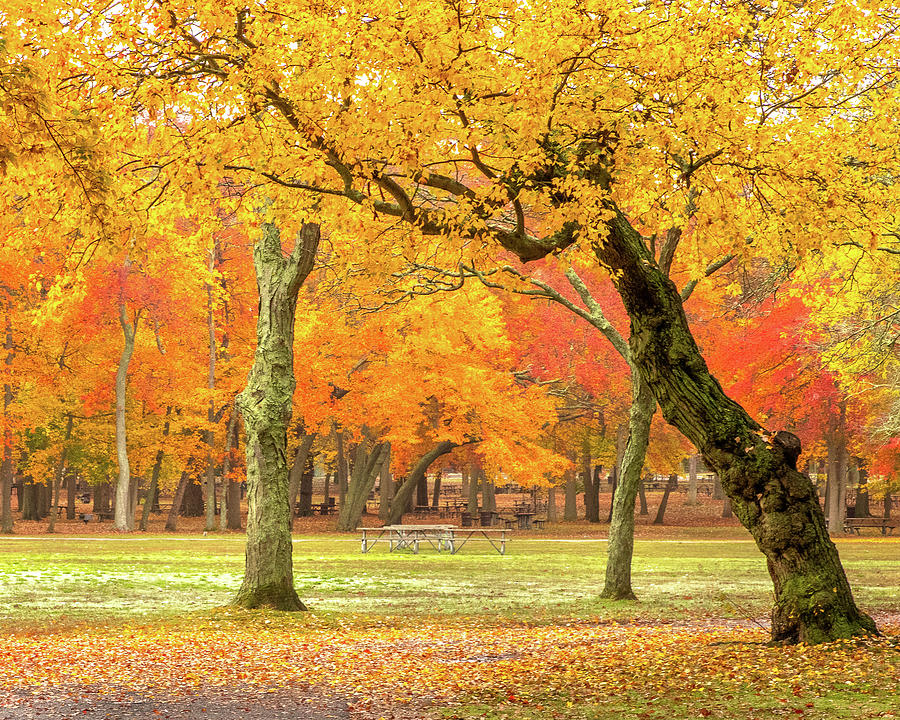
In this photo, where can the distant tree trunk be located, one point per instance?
(295, 476)
(692, 480)
(124, 520)
(552, 512)
(862, 490)
(71, 492)
(230, 514)
(717, 493)
(614, 477)
(661, 511)
(30, 501)
(464, 485)
(570, 511)
(60, 475)
(836, 487)
(386, 494)
(488, 495)
(642, 494)
(405, 491)
(591, 492)
(102, 497)
(177, 500)
(151, 500)
(436, 493)
(210, 482)
(726, 508)
(366, 467)
(422, 491)
(192, 504)
(887, 505)
(341, 468)
(472, 506)
(6, 466)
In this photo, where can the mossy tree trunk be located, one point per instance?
(266, 406)
(775, 502)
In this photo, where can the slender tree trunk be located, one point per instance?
(717, 493)
(153, 491)
(775, 502)
(422, 491)
(266, 406)
(614, 477)
(474, 477)
(210, 482)
(887, 506)
(862, 489)
(406, 490)
(366, 467)
(386, 496)
(489, 494)
(341, 469)
(570, 511)
(230, 514)
(620, 548)
(464, 486)
(836, 491)
(661, 510)
(177, 500)
(124, 520)
(591, 492)
(726, 508)
(71, 493)
(6, 466)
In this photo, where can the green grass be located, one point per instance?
(46, 581)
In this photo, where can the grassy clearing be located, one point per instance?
(475, 634)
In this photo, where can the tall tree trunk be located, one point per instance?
(341, 472)
(570, 511)
(422, 491)
(620, 548)
(488, 494)
(405, 491)
(775, 502)
(175, 510)
(836, 487)
(642, 494)
(124, 520)
(6, 466)
(192, 503)
(210, 481)
(102, 497)
(661, 510)
(614, 481)
(266, 406)
(386, 494)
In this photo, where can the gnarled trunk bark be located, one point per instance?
(266, 406)
(772, 499)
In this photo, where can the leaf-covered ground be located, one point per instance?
(134, 627)
(460, 668)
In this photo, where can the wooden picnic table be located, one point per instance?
(441, 537)
(886, 525)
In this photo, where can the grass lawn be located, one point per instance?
(470, 635)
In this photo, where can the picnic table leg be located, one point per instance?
(364, 546)
(503, 543)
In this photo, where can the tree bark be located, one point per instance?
(775, 502)
(474, 481)
(230, 515)
(862, 490)
(488, 494)
(386, 494)
(405, 491)
(436, 491)
(123, 520)
(692, 480)
(341, 472)
(642, 494)
(210, 481)
(620, 548)
(152, 491)
(266, 406)
(71, 493)
(591, 490)
(552, 513)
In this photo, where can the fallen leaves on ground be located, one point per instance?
(433, 661)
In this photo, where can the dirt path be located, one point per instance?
(205, 704)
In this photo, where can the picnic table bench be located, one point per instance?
(100, 515)
(440, 537)
(886, 525)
